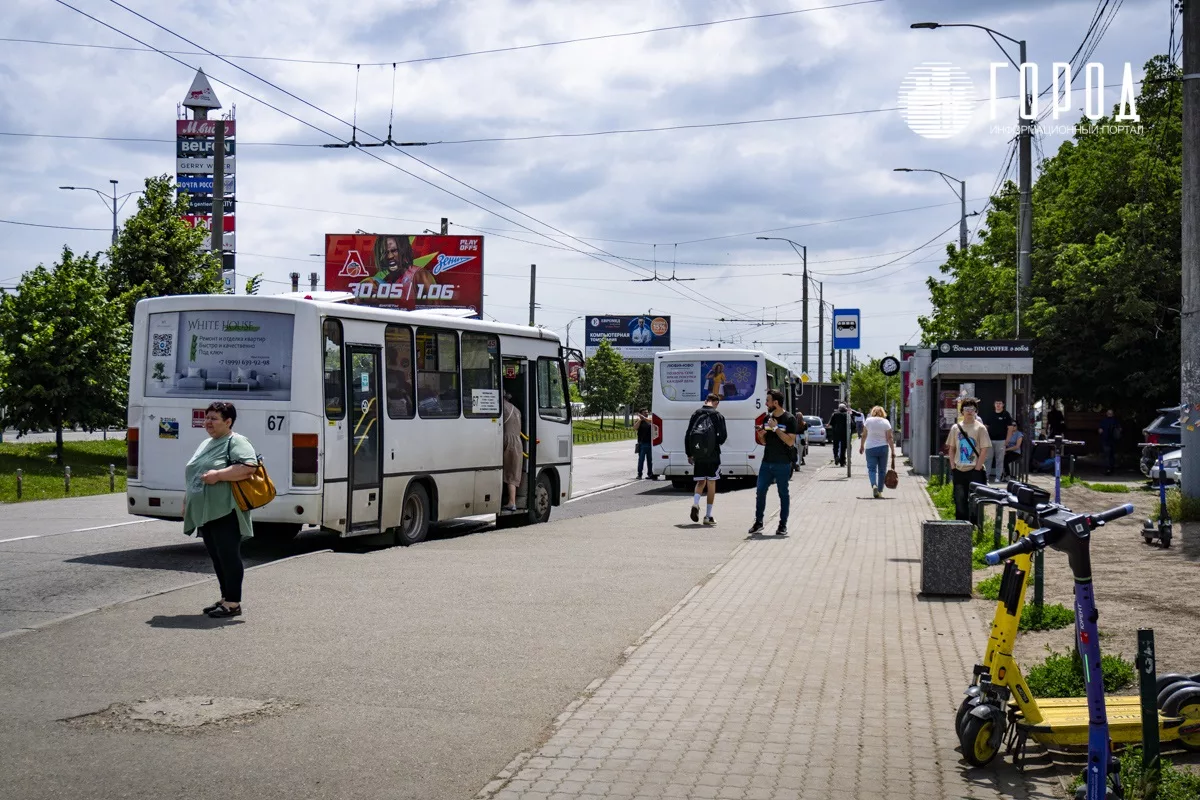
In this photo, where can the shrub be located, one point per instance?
(1061, 675)
(1108, 488)
(1180, 510)
(942, 495)
(1174, 783)
(989, 588)
(1048, 617)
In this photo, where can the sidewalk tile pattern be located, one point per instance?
(804, 667)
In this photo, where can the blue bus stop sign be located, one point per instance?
(846, 329)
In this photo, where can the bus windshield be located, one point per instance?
(216, 353)
(690, 380)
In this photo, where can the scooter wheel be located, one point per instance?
(976, 742)
(1190, 711)
(1170, 689)
(1187, 694)
(1166, 680)
(960, 718)
(1149, 539)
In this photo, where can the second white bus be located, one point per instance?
(370, 421)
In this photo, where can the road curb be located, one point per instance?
(76, 614)
(606, 488)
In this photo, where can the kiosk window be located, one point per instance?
(481, 374)
(398, 371)
(437, 374)
(552, 397)
(335, 378)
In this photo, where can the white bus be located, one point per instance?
(683, 378)
(369, 421)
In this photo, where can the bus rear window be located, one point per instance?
(692, 381)
(220, 353)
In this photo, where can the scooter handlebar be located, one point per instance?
(982, 490)
(1022, 545)
(1112, 513)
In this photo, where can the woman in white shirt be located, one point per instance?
(876, 445)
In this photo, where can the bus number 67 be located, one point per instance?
(275, 423)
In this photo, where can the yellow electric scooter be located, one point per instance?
(999, 707)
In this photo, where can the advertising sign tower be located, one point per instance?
(196, 142)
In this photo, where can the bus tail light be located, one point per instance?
(655, 429)
(131, 454)
(758, 423)
(304, 459)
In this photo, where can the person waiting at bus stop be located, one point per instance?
(967, 445)
(209, 508)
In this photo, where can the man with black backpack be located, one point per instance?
(703, 440)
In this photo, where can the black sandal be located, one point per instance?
(225, 611)
(213, 607)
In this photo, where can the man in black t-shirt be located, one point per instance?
(997, 422)
(705, 434)
(838, 429)
(643, 425)
(777, 435)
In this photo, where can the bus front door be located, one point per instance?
(365, 466)
(516, 382)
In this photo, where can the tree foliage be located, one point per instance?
(643, 385)
(66, 349)
(869, 387)
(611, 381)
(254, 283)
(157, 253)
(1104, 303)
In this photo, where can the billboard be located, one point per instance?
(195, 184)
(690, 381)
(204, 205)
(406, 271)
(191, 147)
(635, 337)
(203, 165)
(203, 127)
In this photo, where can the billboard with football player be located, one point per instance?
(411, 272)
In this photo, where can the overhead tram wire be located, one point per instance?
(427, 59)
(695, 296)
(56, 227)
(326, 133)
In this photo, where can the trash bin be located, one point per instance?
(938, 468)
(946, 557)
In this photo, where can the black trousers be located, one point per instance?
(839, 448)
(223, 538)
(962, 490)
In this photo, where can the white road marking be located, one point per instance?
(79, 530)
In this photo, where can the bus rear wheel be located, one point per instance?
(276, 532)
(539, 505)
(414, 516)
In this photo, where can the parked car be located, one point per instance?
(1170, 467)
(1163, 430)
(816, 431)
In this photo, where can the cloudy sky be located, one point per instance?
(692, 199)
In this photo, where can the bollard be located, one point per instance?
(1151, 768)
(20, 481)
(112, 477)
(67, 478)
(998, 525)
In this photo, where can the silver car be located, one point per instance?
(816, 431)
(1170, 466)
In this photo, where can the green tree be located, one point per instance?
(158, 254)
(869, 387)
(643, 392)
(254, 284)
(1104, 303)
(610, 382)
(66, 349)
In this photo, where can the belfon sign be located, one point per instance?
(985, 348)
(186, 147)
(406, 271)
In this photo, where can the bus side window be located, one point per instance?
(481, 374)
(398, 371)
(437, 374)
(552, 397)
(335, 378)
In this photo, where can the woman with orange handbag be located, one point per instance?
(209, 506)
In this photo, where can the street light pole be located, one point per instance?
(962, 196)
(110, 200)
(802, 251)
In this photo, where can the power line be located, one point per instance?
(56, 227)
(426, 59)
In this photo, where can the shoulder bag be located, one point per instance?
(891, 480)
(252, 492)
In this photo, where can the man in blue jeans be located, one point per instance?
(777, 434)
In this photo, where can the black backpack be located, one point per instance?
(702, 443)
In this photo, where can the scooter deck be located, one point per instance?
(1121, 701)
(1067, 726)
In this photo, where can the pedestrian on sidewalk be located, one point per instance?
(777, 434)
(876, 444)
(839, 427)
(514, 453)
(1110, 435)
(1012, 449)
(703, 439)
(997, 422)
(643, 425)
(967, 444)
(209, 507)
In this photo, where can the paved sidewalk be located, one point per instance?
(803, 668)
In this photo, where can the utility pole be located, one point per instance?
(1025, 155)
(218, 212)
(1189, 350)
(821, 332)
(532, 292)
(445, 226)
(114, 209)
(804, 357)
(962, 222)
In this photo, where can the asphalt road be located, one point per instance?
(63, 557)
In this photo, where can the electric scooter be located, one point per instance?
(1161, 529)
(1059, 723)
